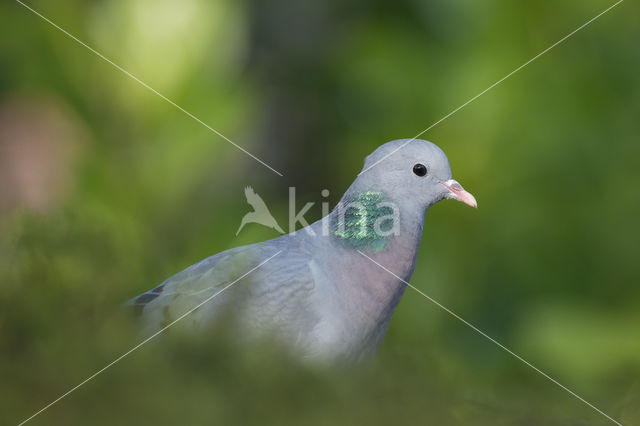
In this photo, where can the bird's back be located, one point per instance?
(279, 297)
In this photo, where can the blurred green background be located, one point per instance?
(106, 190)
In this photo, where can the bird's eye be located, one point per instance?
(420, 169)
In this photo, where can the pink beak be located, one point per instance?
(457, 192)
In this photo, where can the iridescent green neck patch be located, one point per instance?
(367, 222)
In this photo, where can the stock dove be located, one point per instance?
(319, 290)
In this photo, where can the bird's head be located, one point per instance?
(415, 170)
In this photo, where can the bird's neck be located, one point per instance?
(399, 254)
(377, 225)
(373, 267)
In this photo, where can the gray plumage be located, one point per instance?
(320, 295)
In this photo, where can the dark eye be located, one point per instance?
(420, 169)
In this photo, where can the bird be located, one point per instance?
(320, 291)
(260, 213)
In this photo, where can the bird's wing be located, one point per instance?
(276, 292)
(254, 200)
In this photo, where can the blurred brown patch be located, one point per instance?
(39, 142)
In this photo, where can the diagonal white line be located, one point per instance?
(133, 77)
(495, 341)
(145, 341)
(493, 85)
